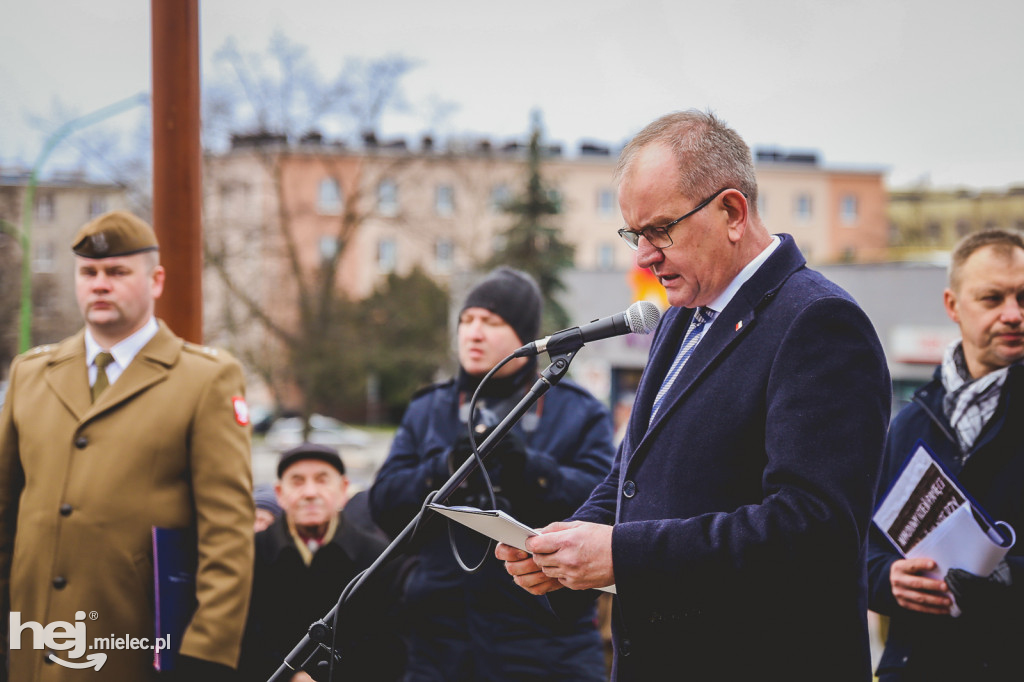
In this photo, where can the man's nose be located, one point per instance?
(1011, 312)
(647, 254)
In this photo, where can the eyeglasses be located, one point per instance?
(659, 237)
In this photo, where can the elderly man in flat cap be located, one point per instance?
(304, 560)
(116, 430)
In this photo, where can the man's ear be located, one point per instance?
(951, 303)
(737, 212)
(157, 287)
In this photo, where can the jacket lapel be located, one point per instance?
(663, 351)
(150, 366)
(731, 325)
(68, 377)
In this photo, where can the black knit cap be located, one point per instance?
(323, 453)
(513, 295)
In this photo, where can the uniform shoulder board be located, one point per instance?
(39, 350)
(432, 387)
(208, 351)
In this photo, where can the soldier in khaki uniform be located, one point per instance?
(83, 480)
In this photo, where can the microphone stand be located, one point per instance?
(318, 637)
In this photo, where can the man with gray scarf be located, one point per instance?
(970, 415)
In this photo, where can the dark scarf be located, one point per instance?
(498, 396)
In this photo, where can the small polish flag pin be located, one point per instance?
(739, 324)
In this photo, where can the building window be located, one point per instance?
(97, 206)
(45, 208)
(803, 208)
(387, 197)
(500, 196)
(848, 210)
(963, 227)
(605, 256)
(328, 197)
(444, 255)
(606, 203)
(444, 200)
(328, 248)
(387, 255)
(44, 255)
(933, 231)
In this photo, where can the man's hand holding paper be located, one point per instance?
(915, 591)
(576, 555)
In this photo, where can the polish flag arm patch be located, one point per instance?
(241, 410)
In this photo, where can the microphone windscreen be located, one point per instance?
(642, 317)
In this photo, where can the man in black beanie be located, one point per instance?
(480, 626)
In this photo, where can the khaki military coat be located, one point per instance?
(82, 485)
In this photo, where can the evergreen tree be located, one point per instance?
(407, 319)
(533, 243)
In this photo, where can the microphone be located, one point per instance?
(640, 318)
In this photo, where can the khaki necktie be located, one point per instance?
(102, 360)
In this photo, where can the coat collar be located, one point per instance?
(68, 377)
(279, 539)
(730, 326)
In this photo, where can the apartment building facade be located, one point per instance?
(276, 210)
(442, 210)
(925, 220)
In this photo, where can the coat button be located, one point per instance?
(81, 442)
(625, 647)
(628, 489)
(65, 509)
(60, 582)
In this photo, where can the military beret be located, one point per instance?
(323, 453)
(117, 233)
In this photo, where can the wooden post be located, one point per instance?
(177, 163)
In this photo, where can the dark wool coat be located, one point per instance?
(741, 514)
(977, 647)
(288, 596)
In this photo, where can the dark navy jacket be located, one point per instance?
(741, 515)
(508, 633)
(926, 647)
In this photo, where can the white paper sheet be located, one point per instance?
(496, 525)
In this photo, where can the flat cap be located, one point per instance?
(307, 450)
(117, 233)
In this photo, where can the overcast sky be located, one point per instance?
(928, 91)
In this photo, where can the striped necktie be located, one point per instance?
(102, 360)
(701, 317)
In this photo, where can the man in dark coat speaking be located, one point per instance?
(734, 521)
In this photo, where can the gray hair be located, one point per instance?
(710, 154)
